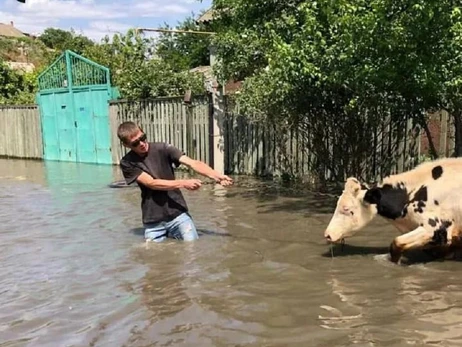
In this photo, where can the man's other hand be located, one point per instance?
(192, 184)
(224, 180)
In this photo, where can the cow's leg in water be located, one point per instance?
(417, 238)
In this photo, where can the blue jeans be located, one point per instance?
(180, 228)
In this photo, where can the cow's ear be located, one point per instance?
(373, 196)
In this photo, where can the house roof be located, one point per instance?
(9, 30)
(206, 70)
(206, 17)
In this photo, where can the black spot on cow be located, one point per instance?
(440, 235)
(432, 222)
(391, 201)
(419, 207)
(419, 199)
(437, 172)
(421, 194)
(436, 202)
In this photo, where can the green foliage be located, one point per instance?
(55, 38)
(342, 64)
(16, 88)
(362, 51)
(137, 72)
(137, 67)
(184, 51)
(60, 40)
(25, 49)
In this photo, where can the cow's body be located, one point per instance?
(424, 204)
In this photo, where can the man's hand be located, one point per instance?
(205, 170)
(192, 184)
(224, 180)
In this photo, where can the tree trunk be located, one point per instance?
(424, 124)
(457, 133)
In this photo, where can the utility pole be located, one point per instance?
(175, 31)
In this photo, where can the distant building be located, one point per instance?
(206, 17)
(20, 64)
(231, 86)
(9, 30)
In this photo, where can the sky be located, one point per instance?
(97, 18)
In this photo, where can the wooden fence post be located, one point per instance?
(443, 133)
(190, 148)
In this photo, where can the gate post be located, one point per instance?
(218, 117)
(211, 149)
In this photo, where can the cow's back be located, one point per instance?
(444, 173)
(434, 188)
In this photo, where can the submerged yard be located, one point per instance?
(74, 271)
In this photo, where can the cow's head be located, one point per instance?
(352, 212)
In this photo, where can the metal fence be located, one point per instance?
(20, 132)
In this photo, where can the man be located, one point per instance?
(151, 165)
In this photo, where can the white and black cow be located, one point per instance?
(424, 204)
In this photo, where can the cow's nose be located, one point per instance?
(328, 238)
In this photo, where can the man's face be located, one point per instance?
(138, 143)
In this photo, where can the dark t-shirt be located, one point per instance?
(156, 205)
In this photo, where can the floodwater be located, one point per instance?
(74, 271)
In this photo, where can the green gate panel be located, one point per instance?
(66, 127)
(49, 127)
(101, 121)
(85, 127)
(73, 98)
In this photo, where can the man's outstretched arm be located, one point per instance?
(205, 170)
(158, 184)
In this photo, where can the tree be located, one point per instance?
(452, 72)
(342, 65)
(135, 67)
(55, 38)
(61, 40)
(137, 72)
(184, 51)
(16, 88)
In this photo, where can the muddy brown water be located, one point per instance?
(74, 271)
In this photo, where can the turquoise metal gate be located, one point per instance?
(73, 99)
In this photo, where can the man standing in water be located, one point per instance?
(151, 165)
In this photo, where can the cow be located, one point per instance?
(424, 204)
